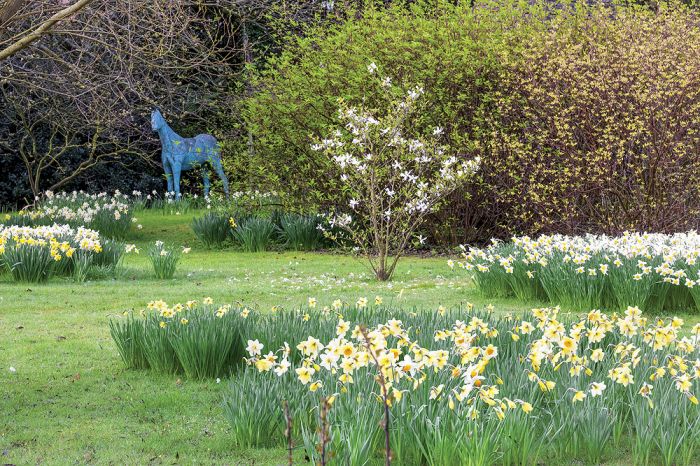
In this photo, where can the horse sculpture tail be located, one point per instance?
(218, 167)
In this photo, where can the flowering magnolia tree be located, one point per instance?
(392, 175)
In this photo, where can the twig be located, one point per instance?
(42, 29)
(324, 434)
(385, 395)
(288, 432)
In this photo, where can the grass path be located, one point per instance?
(71, 402)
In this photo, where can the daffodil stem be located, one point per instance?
(325, 406)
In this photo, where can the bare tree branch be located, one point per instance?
(9, 9)
(41, 30)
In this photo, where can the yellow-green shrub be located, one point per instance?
(585, 120)
(597, 125)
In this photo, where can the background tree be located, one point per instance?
(41, 18)
(81, 96)
(584, 121)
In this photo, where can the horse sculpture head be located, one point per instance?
(157, 120)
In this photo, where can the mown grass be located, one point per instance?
(71, 401)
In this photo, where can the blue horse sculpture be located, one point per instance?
(181, 154)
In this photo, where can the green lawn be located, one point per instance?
(71, 401)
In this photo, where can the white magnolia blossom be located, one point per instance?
(414, 145)
(414, 94)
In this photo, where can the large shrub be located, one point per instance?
(453, 51)
(584, 119)
(597, 125)
(394, 176)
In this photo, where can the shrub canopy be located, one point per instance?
(585, 119)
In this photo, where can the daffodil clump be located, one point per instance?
(573, 388)
(460, 385)
(165, 258)
(110, 214)
(36, 254)
(198, 339)
(249, 201)
(656, 271)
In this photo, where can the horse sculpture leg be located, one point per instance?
(220, 171)
(177, 168)
(168, 174)
(207, 183)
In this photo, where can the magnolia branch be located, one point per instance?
(42, 29)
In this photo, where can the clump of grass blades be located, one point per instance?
(254, 234)
(300, 232)
(169, 205)
(157, 347)
(253, 408)
(128, 334)
(493, 284)
(164, 259)
(207, 346)
(198, 342)
(212, 229)
(675, 432)
(82, 263)
(33, 264)
(109, 226)
(588, 432)
(573, 290)
(522, 445)
(358, 435)
(21, 220)
(111, 255)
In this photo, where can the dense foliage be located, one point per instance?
(597, 125)
(584, 119)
